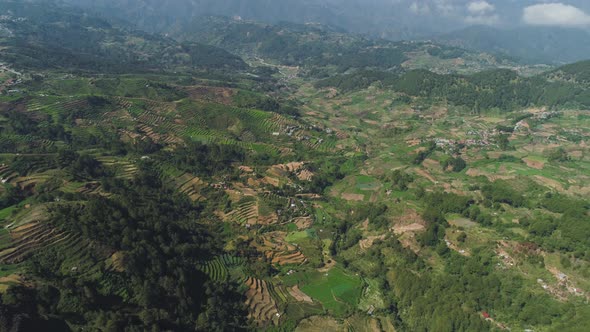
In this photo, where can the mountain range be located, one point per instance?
(454, 22)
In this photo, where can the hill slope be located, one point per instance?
(538, 44)
(167, 196)
(315, 45)
(44, 36)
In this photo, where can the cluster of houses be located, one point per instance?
(563, 284)
(545, 115)
(10, 82)
(9, 18)
(446, 143)
(4, 30)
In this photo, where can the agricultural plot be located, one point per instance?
(262, 306)
(6, 212)
(27, 238)
(355, 323)
(55, 106)
(280, 252)
(27, 165)
(318, 188)
(275, 199)
(335, 289)
(357, 189)
(29, 182)
(252, 211)
(7, 175)
(190, 185)
(89, 188)
(223, 268)
(124, 169)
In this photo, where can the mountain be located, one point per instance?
(317, 46)
(44, 36)
(578, 72)
(499, 88)
(534, 44)
(392, 20)
(375, 17)
(327, 182)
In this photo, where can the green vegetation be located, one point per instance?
(156, 184)
(335, 289)
(501, 89)
(67, 38)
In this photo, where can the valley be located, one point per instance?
(195, 189)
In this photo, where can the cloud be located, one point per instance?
(480, 7)
(417, 8)
(555, 14)
(481, 12)
(445, 7)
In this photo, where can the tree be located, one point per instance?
(503, 142)
(462, 237)
(559, 155)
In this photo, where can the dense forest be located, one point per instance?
(502, 89)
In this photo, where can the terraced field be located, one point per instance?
(190, 185)
(56, 106)
(90, 188)
(123, 168)
(27, 238)
(262, 306)
(280, 252)
(248, 212)
(219, 268)
(275, 199)
(7, 175)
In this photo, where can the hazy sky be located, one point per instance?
(566, 13)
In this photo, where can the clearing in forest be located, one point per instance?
(335, 289)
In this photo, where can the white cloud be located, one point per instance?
(480, 7)
(481, 12)
(421, 9)
(445, 7)
(555, 14)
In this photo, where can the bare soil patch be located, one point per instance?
(319, 323)
(536, 164)
(214, 94)
(408, 228)
(272, 181)
(118, 261)
(368, 242)
(305, 175)
(303, 222)
(549, 183)
(299, 295)
(353, 197)
(425, 175)
(473, 172)
(431, 164)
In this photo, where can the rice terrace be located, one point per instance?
(163, 169)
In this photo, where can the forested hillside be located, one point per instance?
(253, 177)
(317, 46)
(47, 37)
(502, 89)
(530, 44)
